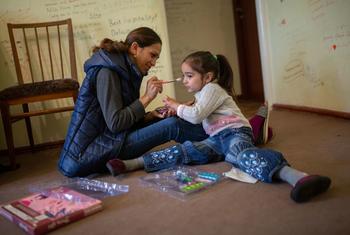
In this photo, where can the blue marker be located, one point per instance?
(209, 176)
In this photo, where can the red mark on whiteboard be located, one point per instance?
(334, 46)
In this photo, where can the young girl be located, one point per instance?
(231, 138)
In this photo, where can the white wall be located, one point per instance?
(306, 52)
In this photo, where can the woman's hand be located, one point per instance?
(154, 86)
(171, 103)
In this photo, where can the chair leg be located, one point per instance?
(5, 113)
(29, 126)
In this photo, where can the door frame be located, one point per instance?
(248, 49)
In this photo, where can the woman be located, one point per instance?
(109, 119)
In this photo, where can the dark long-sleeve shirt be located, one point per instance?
(109, 95)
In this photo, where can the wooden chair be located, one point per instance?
(44, 58)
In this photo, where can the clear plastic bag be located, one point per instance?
(93, 188)
(181, 181)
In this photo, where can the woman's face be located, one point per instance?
(146, 57)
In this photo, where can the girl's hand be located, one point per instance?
(171, 103)
(164, 112)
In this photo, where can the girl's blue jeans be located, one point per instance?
(234, 145)
(141, 140)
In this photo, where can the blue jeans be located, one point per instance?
(232, 145)
(141, 140)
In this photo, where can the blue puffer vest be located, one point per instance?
(89, 143)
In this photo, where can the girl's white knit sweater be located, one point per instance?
(215, 109)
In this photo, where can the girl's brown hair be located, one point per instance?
(204, 62)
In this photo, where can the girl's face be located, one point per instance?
(146, 57)
(193, 80)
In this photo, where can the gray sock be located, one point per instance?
(290, 175)
(134, 164)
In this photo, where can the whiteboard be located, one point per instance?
(92, 20)
(310, 53)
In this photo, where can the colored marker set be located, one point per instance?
(181, 180)
(197, 181)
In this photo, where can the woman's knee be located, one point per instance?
(181, 130)
(171, 121)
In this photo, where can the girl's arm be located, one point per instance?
(207, 101)
(172, 103)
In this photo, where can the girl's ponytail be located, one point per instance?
(225, 78)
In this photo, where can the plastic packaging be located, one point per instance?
(181, 181)
(93, 188)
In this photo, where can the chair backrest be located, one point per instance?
(43, 51)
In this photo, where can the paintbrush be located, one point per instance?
(175, 80)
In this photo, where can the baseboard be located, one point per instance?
(37, 147)
(54, 144)
(312, 110)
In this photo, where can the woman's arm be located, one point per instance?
(117, 117)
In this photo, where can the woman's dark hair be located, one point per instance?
(204, 62)
(144, 37)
